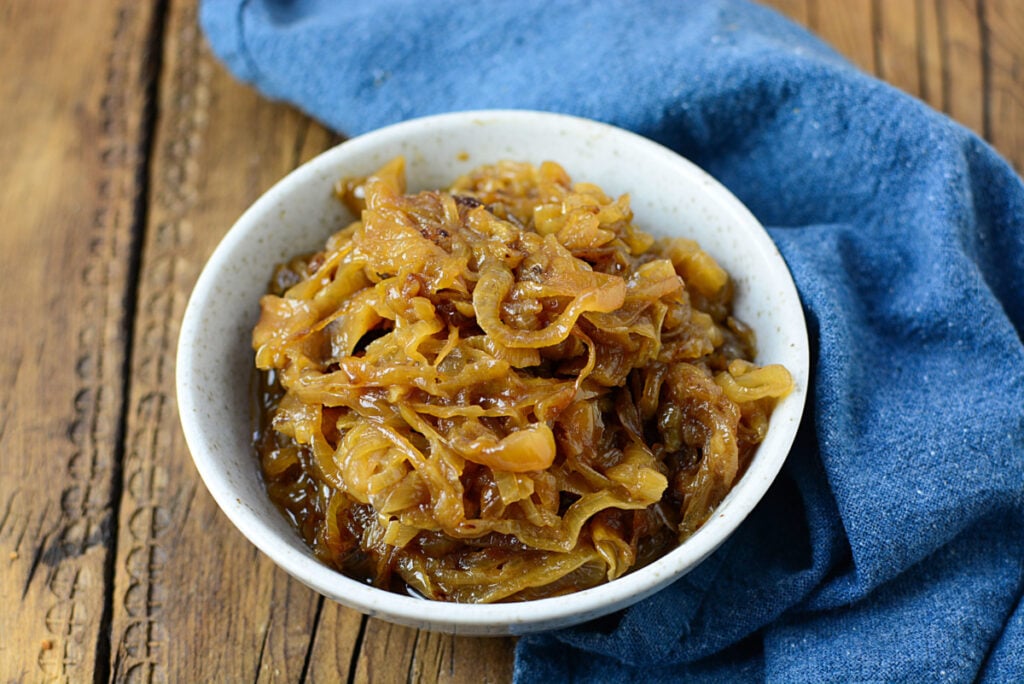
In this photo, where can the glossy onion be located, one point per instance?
(502, 391)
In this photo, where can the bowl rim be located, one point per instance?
(543, 613)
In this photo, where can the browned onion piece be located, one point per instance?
(606, 295)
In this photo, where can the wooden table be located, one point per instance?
(126, 153)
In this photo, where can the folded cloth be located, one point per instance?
(891, 546)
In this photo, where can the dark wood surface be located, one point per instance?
(127, 151)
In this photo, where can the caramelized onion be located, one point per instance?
(503, 391)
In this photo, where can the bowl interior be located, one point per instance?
(669, 196)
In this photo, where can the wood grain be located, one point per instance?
(181, 568)
(963, 73)
(797, 10)
(896, 34)
(1003, 35)
(931, 62)
(391, 653)
(71, 147)
(849, 26)
(336, 644)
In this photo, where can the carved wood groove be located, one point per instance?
(140, 651)
(84, 501)
(59, 426)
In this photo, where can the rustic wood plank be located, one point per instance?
(1003, 22)
(930, 57)
(336, 645)
(387, 653)
(194, 601)
(797, 10)
(391, 653)
(70, 141)
(452, 659)
(848, 26)
(896, 38)
(286, 636)
(963, 76)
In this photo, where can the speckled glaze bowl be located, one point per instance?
(669, 195)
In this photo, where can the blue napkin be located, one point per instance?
(891, 546)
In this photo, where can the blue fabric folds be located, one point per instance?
(891, 546)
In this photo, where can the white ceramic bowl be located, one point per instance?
(669, 196)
